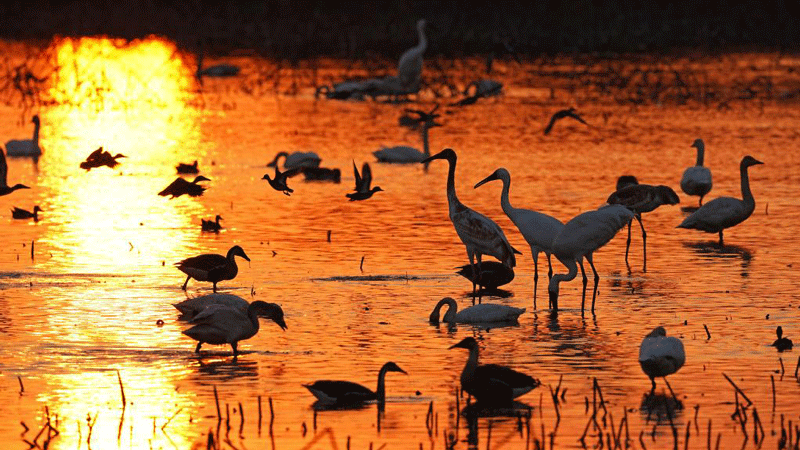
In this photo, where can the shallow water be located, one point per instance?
(83, 306)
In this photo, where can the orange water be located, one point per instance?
(84, 306)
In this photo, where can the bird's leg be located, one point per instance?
(720, 239)
(701, 201)
(535, 275)
(628, 245)
(653, 390)
(474, 274)
(671, 391)
(187, 282)
(596, 279)
(235, 350)
(549, 277)
(215, 286)
(644, 241)
(197, 349)
(585, 280)
(480, 274)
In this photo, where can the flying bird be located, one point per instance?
(5, 189)
(181, 186)
(660, 356)
(725, 212)
(349, 393)
(363, 190)
(696, 179)
(279, 182)
(562, 114)
(100, 158)
(212, 267)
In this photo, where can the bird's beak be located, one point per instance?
(281, 324)
(455, 346)
(431, 158)
(265, 177)
(485, 180)
(757, 162)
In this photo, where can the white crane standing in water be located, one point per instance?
(409, 67)
(660, 356)
(480, 234)
(696, 180)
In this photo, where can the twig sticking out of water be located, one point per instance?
(782, 369)
(216, 400)
(329, 235)
(22, 388)
(210, 444)
(708, 333)
(121, 389)
(361, 266)
(271, 416)
(241, 419)
(737, 389)
(797, 368)
(757, 426)
(772, 378)
(259, 415)
(429, 419)
(32, 247)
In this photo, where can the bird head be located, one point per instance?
(19, 186)
(35, 119)
(119, 155)
(271, 311)
(468, 343)
(698, 143)
(218, 217)
(553, 290)
(434, 317)
(657, 331)
(199, 178)
(447, 154)
(238, 251)
(498, 174)
(748, 161)
(392, 367)
(377, 189)
(36, 209)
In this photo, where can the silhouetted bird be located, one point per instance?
(322, 174)
(181, 186)
(19, 213)
(493, 274)
(187, 168)
(279, 182)
(782, 343)
(363, 182)
(562, 114)
(100, 158)
(211, 225)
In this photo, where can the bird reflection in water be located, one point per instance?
(662, 407)
(516, 410)
(713, 250)
(226, 369)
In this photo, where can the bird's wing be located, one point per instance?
(204, 262)
(482, 234)
(366, 176)
(357, 176)
(575, 116)
(550, 124)
(714, 214)
(179, 182)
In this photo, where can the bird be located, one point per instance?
(181, 186)
(562, 114)
(725, 212)
(217, 70)
(696, 180)
(492, 384)
(349, 393)
(100, 158)
(193, 306)
(660, 356)
(484, 88)
(363, 190)
(626, 180)
(211, 266)
(403, 154)
(409, 66)
(483, 313)
(537, 228)
(480, 234)
(322, 174)
(220, 324)
(279, 182)
(580, 238)
(5, 189)
(211, 225)
(642, 198)
(26, 147)
(19, 213)
(493, 274)
(296, 159)
(782, 343)
(187, 168)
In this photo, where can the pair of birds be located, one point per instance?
(100, 158)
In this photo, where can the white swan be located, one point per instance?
(696, 180)
(481, 313)
(26, 147)
(221, 324)
(660, 355)
(409, 67)
(296, 159)
(403, 154)
(725, 212)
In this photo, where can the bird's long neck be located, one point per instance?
(452, 199)
(232, 262)
(452, 307)
(425, 147)
(504, 202)
(423, 41)
(701, 151)
(553, 288)
(381, 391)
(253, 316)
(36, 133)
(469, 368)
(747, 195)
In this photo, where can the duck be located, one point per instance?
(782, 343)
(19, 213)
(348, 392)
(403, 154)
(193, 306)
(100, 158)
(725, 212)
(661, 355)
(5, 189)
(279, 182)
(696, 180)
(322, 174)
(492, 384)
(211, 225)
(221, 324)
(212, 267)
(481, 313)
(363, 190)
(493, 274)
(26, 147)
(187, 168)
(296, 159)
(181, 186)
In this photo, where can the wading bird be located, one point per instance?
(696, 180)
(492, 384)
(403, 154)
(100, 158)
(725, 212)
(483, 313)
(187, 168)
(192, 306)
(279, 182)
(212, 267)
(296, 159)
(363, 190)
(537, 228)
(26, 147)
(211, 225)
(480, 234)
(580, 238)
(19, 213)
(560, 115)
(642, 198)
(349, 393)
(5, 189)
(493, 274)
(181, 186)
(409, 67)
(660, 356)
(220, 324)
